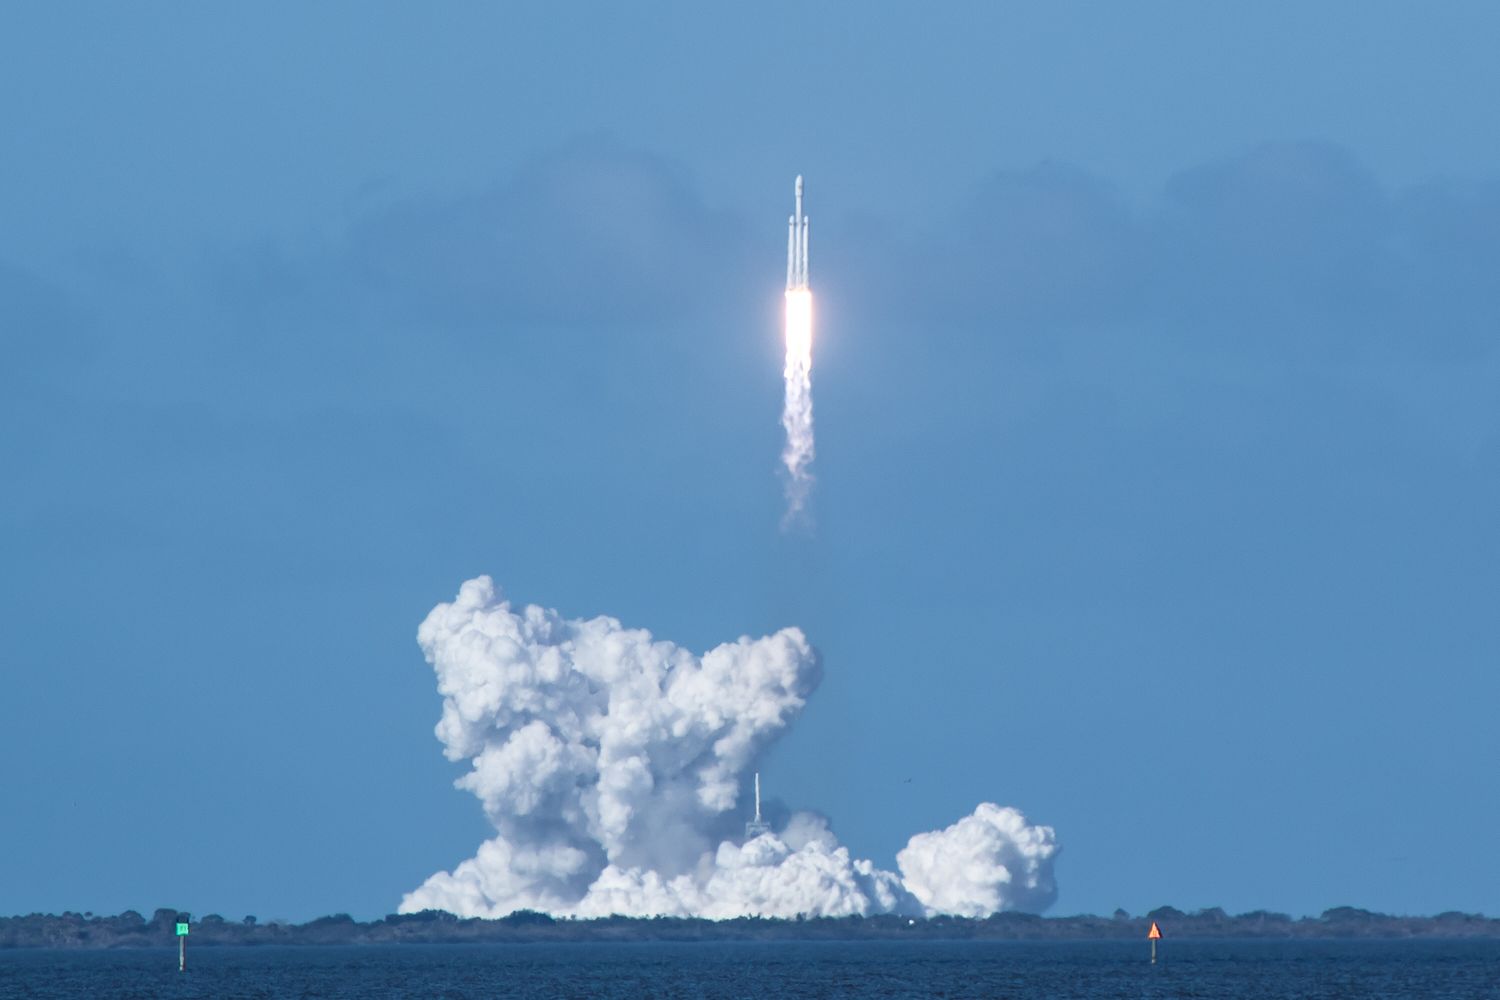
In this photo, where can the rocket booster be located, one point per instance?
(796, 244)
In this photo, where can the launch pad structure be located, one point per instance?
(756, 826)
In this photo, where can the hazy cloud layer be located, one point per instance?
(1292, 248)
(1287, 247)
(593, 234)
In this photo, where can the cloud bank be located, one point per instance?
(612, 766)
(590, 235)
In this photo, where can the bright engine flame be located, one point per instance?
(796, 416)
(799, 329)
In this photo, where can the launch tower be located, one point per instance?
(756, 826)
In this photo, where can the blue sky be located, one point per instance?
(1156, 392)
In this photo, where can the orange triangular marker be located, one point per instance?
(1154, 934)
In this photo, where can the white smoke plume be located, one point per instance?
(796, 412)
(611, 765)
(979, 864)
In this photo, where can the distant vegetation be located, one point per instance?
(131, 930)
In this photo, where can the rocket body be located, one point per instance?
(796, 413)
(796, 244)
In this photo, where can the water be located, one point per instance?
(1243, 970)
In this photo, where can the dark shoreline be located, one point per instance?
(131, 930)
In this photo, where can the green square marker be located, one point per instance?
(182, 929)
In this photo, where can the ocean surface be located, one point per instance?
(1244, 970)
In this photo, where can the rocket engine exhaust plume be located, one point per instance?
(796, 414)
(615, 769)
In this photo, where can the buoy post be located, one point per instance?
(182, 933)
(1153, 935)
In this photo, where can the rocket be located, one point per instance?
(796, 244)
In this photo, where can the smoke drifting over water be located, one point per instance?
(796, 414)
(612, 766)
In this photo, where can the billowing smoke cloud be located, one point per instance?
(796, 413)
(982, 863)
(611, 765)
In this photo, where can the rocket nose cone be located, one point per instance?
(799, 183)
